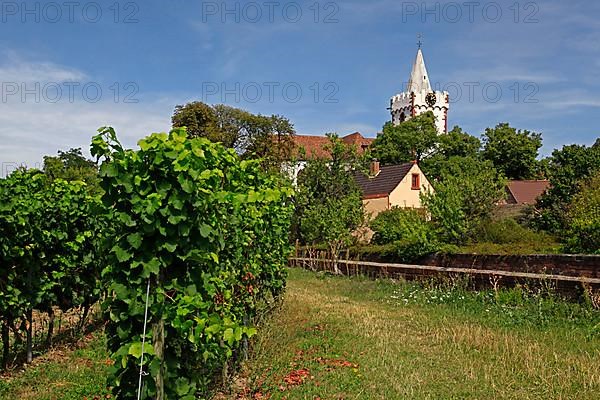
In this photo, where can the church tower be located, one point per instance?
(419, 97)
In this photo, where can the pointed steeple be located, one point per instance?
(419, 79)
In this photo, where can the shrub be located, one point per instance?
(206, 234)
(408, 232)
(397, 224)
(507, 231)
(49, 249)
(583, 227)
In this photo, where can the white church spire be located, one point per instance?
(419, 97)
(419, 79)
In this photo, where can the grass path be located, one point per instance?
(74, 372)
(353, 338)
(340, 338)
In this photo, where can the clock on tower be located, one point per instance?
(419, 97)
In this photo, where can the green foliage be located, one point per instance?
(408, 231)
(410, 140)
(464, 196)
(568, 167)
(71, 166)
(506, 231)
(513, 152)
(267, 137)
(583, 232)
(49, 247)
(209, 232)
(397, 224)
(455, 143)
(507, 236)
(328, 201)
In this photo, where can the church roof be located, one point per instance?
(419, 79)
(384, 182)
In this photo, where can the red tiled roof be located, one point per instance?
(314, 146)
(387, 179)
(526, 192)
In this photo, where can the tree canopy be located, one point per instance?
(465, 195)
(251, 135)
(583, 222)
(71, 165)
(513, 152)
(568, 168)
(328, 201)
(410, 140)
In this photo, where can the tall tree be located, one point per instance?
(567, 169)
(328, 201)
(464, 196)
(456, 143)
(252, 135)
(513, 152)
(410, 140)
(200, 120)
(71, 165)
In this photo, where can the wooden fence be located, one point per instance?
(569, 274)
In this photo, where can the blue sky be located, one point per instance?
(347, 60)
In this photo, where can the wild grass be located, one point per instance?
(67, 372)
(353, 338)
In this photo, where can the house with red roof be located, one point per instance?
(306, 147)
(391, 186)
(525, 192)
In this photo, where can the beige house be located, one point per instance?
(392, 186)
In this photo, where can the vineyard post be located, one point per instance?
(29, 316)
(5, 343)
(158, 339)
(50, 327)
(158, 342)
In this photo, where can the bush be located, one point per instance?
(507, 236)
(399, 224)
(507, 231)
(207, 234)
(407, 232)
(583, 232)
(49, 249)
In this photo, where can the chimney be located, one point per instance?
(374, 168)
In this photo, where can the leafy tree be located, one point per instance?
(410, 140)
(329, 208)
(71, 165)
(455, 143)
(583, 226)
(568, 168)
(252, 135)
(200, 119)
(513, 152)
(464, 196)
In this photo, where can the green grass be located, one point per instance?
(354, 338)
(360, 339)
(70, 372)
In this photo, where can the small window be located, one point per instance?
(416, 182)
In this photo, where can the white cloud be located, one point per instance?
(29, 129)
(16, 69)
